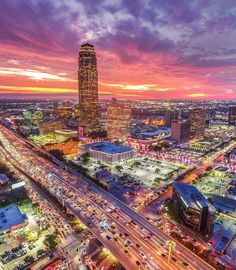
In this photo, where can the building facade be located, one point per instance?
(106, 152)
(193, 207)
(180, 130)
(170, 116)
(197, 118)
(49, 127)
(232, 116)
(88, 89)
(118, 120)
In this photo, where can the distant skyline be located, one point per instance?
(146, 49)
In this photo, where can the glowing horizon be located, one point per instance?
(146, 51)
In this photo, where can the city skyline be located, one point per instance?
(150, 50)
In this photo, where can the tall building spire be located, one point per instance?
(88, 89)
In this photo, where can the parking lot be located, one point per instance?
(20, 246)
(214, 183)
(146, 171)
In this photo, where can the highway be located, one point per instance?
(135, 242)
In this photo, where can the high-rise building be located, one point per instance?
(171, 115)
(232, 115)
(180, 130)
(197, 118)
(193, 207)
(118, 120)
(88, 89)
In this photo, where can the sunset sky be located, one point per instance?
(146, 49)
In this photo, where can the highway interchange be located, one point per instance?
(131, 238)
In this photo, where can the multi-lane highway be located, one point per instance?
(135, 242)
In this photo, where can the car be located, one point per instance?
(143, 255)
(138, 263)
(185, 264)
(138, 246)
(116, 240)
(126, 251)
(129, 242)
(108, 238)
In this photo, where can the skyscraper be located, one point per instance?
(171, 115)
(180, 130)
(232, 115)
(198, 122)
(88, 89)
(118, 120)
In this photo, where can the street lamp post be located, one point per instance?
(171, 244)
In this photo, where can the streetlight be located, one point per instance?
(171, 244)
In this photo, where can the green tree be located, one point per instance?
(57, 153)
(40, 252)
(118, 168)
(51, 241)
(85, 157)
(28, 259)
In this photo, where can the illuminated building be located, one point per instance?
(88, 89)
(197, 118)
(155, 121)
(118, 120)
(11, 219)
(108, 152)
(145, 140)
(171, 115)
(232, 115)
(66, 134)
(49, 127)
(64, 111)
(193, 207)
(180, 130)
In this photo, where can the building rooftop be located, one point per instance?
(11, 216)
(66, 131)
(191, 196)
(155, 133)
(107, 147)
(3, 177)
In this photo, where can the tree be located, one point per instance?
(51, 241)
(85, 157)
(136, 164)
(28, 259)
(40, 252)
(57, 154)
(118, 168)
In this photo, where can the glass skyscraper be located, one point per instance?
(88, 89)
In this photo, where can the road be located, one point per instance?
(108, 218)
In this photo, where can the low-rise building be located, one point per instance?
(147, 139)
(66, 134)
(108, 152)
(50, 127)
(194, 208)
(11, 219)
(230, 191)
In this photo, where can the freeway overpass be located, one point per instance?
(72, 191)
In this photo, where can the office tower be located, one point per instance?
(88, 89)
(232, 115)
(118, 120)
(171, 115)
(193, 207)
(197, 118)
(180, 130)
